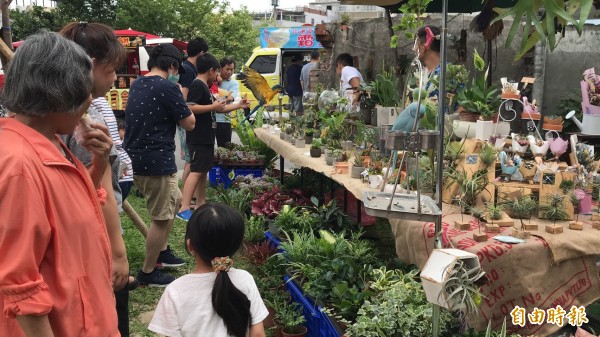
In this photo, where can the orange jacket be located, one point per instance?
(55, 254)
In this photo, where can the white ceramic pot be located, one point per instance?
(538, 150)
(464, 129)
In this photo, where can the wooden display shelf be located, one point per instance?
(535, 187)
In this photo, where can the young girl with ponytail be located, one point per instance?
(215, 300)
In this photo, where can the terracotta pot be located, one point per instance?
(342, 167)
(268, 322)
(552, 127)
(467, 116)
(303, 333)
(531, 116)
(556, 120)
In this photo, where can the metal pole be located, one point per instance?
(441, 118)
(440, 152)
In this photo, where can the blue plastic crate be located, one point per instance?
(221, 176)
(274, 241)
(317, 322)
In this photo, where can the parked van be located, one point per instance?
(277, 48)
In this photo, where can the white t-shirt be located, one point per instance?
(185, 308)
(349, 73)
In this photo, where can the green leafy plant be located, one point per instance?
(287, 218)
(316, 143)
(569, 102)
(238, 199)
(324, 263)
(386, 89)
(488, 155)
(309, 132)
(401, 310)
(328, 216)
(290, 317)
(412, 17)
(255, 229)
(479, 98)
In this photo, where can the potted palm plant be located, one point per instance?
(315, 148)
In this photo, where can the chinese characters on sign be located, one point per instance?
(575, 317)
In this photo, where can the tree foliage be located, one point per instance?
(228, 33)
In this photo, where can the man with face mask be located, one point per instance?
(155, 107)
(427, 50)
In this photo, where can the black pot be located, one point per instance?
(315, 153)
(308, 140)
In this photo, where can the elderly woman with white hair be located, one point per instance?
(55, 277)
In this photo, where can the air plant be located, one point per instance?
(522, 208)
(477, 213)
(575, 197)
(488, 154)
(462, 287)
(493, 211)
(554, 209)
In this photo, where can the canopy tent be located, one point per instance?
(151, 39)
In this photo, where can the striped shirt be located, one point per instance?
(101, 105)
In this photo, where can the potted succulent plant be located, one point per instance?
(315, 148)
(341, 162)
(386, 92)
(330, 155)
(357, 166)
(308, 136)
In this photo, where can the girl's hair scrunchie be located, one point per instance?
(221, 264)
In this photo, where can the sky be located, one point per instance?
(262, 5)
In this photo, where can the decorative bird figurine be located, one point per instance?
(259, 87)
